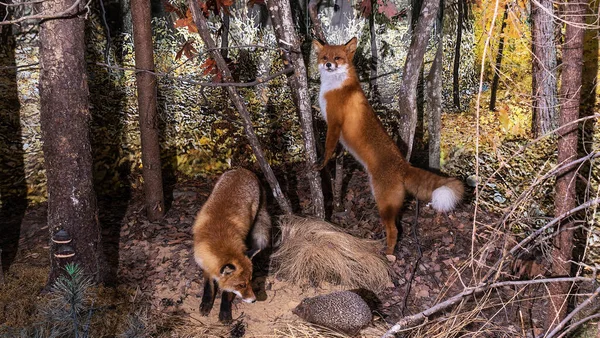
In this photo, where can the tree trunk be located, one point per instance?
(456, 67)
(204, 32)
(373, 91)
(64, 119)
(410, 74)
(313, 12)
(565, 198)
(543, 68)
(146, 86)
(225, 36)
(434, 97)
(499, 56)
(13, 185)
(281, 16)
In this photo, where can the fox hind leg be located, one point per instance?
(389, 200)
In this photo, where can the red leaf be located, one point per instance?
(209, 66)
(187, 49)
(364, 7)
(188, 22)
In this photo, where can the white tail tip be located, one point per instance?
(444, 199)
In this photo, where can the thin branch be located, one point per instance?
(578, 324)
(21, 4)
(256, 82)
(570, 316)
(43, 16)
(416, 319)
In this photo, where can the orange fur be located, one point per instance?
(351, 119)
(234, 208)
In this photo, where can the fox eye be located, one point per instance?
(324, 58)
(337, 58)
(242, 286)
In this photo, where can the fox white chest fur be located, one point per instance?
(331, 79)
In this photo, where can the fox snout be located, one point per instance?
(328, 65)
(250, 299)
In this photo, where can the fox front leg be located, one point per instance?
(225, 310)
(208, 296)
(333, 135)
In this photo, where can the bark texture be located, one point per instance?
(461, 9)
(543, 67)
(287, 39)
(565, 198)
(204, 32)
(410, 74)
(149, 130)
(65, 118)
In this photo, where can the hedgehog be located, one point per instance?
(342, 311)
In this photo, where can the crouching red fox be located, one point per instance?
(235, 209)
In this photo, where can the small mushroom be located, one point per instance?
(64, 251)
(61, 237)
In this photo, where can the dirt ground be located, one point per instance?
(153, 261)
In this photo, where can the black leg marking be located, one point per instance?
(225, 311)
(208, 296)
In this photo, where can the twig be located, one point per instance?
(578, 324)
(536, 233)
(570, 316)
(418, 318)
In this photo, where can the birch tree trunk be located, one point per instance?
(281, 16)
(149, 131)
(65, 119)
(565, 198)
(410, 74)
(204, 32)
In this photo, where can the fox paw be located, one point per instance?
(225, 317)
(205, 309)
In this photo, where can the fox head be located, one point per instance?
(333, 59)
(236, 277)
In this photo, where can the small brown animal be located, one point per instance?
(235, 208)
(351, 119)
(342, 311)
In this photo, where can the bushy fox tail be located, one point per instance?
(261, 231)
(443, 192)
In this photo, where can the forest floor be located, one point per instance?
(156, 278)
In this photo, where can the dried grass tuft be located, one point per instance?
(314, 251)
(307, 330)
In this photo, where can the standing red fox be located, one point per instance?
(235, 208)
(351, 119)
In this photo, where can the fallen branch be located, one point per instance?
(413, 320)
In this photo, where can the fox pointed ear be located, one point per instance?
(252, 252)
(227, 269)
(351, 45)
(318, 45)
